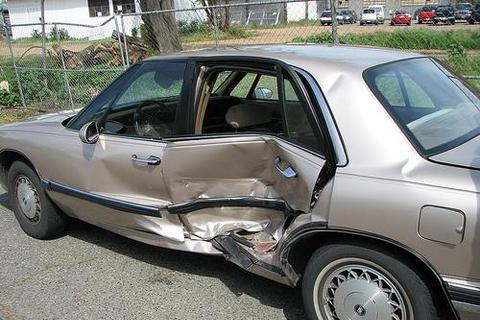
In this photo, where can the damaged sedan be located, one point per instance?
(351, 172)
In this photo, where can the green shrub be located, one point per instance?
(62, 34)
(186, 28)
(36, 34)
(8, 99)
(134, 32)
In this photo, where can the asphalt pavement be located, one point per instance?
(90, 273)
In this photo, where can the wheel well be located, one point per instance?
(8, 157)
(300, 251)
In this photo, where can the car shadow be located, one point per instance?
(238, 281)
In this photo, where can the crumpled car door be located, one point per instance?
(249, 183)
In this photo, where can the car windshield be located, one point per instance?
(326, 14)
(400, 12)
(345, 12)
(433, 107)
(368, 11)
(428, 8)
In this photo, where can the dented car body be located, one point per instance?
(342, 169)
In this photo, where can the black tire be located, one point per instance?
(420, 21)
(48, 220)
(410, 287)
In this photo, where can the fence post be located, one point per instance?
(127, 58)
(120, 42)
(215, 26)
(67, 83)
(333, 8)
(6, 28)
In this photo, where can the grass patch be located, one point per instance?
(299, 23)
(411, 39)
(16, 114)
(234, 32)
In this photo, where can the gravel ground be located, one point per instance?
(90, 273)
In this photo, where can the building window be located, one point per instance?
(123, 6)
(343, 4)
(98, 8)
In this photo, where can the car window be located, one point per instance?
(430, 105)
(221, 78)
(266, 88)
(242, 89)
(146, 87)
(95, 110)
(148, 105)
(400, 90)
(265, 111)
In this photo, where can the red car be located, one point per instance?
(401, 17)
(426, 14)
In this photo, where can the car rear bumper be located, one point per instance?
(465, 298)
(462, 16)
(369, 21)
(401, 21)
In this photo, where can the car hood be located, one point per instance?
(56, 117)
(465, 155)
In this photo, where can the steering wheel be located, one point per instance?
(151, 123)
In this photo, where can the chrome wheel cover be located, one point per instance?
(27, 198)
(357, 289)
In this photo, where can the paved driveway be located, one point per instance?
(90, 273)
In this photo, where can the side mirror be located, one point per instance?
(89, 133)
(263, 93)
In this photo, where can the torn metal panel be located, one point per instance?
(237, 254)
(212, 222)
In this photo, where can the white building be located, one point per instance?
(86, 12)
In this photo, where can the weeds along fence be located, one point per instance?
(68, 64)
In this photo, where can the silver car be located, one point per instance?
(351, 172)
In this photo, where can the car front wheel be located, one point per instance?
(343, 282)
(35, 213)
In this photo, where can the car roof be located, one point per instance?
(305, 56)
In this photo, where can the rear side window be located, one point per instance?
(430, 104)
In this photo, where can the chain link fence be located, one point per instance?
(68, 64)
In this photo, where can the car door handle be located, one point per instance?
(152, 160)
(285, 168)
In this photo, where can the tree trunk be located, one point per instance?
(161, 28)
(221, 14)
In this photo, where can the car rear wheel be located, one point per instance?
(343, 282)
(35, 213)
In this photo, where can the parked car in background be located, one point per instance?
(326, 18)
(444, 14)
(426, 14)
(349, 16)
(380, 11)
(475, 15)
(463, 11)
(350, 172)
(401, 16)
(369, 16)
